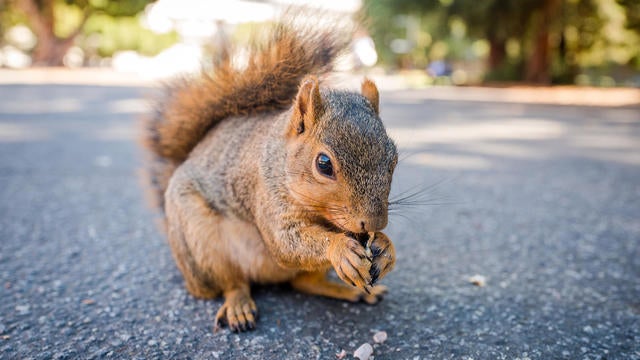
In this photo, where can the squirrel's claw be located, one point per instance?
(375, 294)
(354, 276)
(384, 257)
(374, 271)
(238, 312)
(352, 265)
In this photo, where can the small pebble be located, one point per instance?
(380, 337)
(478, 280)
(364, 352)
(341, 355)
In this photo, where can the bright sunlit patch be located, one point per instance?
(41, 106)
(129, 106)
(505, 150)
(605, 141)
(516, 129)
(124, 132)
(449, 161)
(197, 17)
(19, 133)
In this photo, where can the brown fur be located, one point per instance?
(245, 201)
(190, 107)
(370, 91)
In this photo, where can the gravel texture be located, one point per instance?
(541, 200)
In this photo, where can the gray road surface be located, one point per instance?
(542, 200)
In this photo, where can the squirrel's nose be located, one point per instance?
(373, 223)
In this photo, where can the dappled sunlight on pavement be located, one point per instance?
(540, 199)
(482, 135)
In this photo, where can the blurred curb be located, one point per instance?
(397, 86)
(79, 76)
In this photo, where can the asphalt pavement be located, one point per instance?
(541, 200)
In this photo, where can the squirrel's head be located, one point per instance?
(340, 160)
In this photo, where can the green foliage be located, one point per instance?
(582, 34)
(632, 9)
(110, 27)
(114, 8)
(110, 34)
(115, 26)
(67, 19)
(8, 18)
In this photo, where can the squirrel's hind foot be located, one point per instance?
(239, 311)
(376, 293)
(316, 283)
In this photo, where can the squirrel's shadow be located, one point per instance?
(284, 307)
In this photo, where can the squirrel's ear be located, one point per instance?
(370, 92)
(307, 107)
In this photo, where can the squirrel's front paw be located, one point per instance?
(383, 256)
(350, 261)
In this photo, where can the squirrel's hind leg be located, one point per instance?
(201, 244)
(316, 283)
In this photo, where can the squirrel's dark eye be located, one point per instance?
(323, 163)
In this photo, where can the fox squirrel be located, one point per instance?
(266, 176)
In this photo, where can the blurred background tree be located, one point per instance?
(588, 42)
(537, 41)
(58, 25)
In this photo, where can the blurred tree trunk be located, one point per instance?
(50, 49)
(497, 53)
(538, 66)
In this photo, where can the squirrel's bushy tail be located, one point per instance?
(291, 48)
